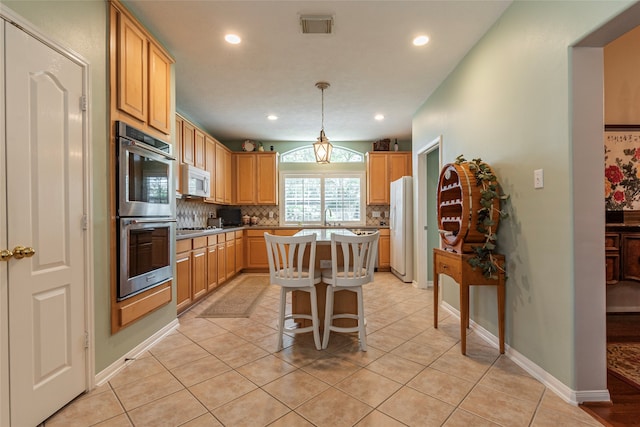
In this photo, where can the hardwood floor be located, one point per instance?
(625, 398)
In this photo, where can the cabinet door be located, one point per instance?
(212, 267)
(267, 179)
(239, 254)
(384, 254)
(257, 252)
(188, 143)
(220, 176)
(245, 181)
(199, 277)
(210, 166)
(228, 177)
(183, 280)
(377, 179)
(199, 155)
(159, 90)
(222, 263)
(231, 258)
(132, 69)
(177, 147)
(631, 256)
(399, 165)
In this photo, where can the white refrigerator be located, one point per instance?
(401, 228)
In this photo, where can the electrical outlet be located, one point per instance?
(376, 214)
(325, 263)
(538, 178)
(271, 214)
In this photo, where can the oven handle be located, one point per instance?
(150, 220)
(150, 148)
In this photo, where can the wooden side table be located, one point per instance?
(456, 266)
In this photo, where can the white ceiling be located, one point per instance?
(369, 61)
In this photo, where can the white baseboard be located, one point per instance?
(573, 397)
(111, 370)
(429, 285)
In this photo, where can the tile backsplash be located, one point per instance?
(194, 213)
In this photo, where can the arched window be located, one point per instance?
(305, 155)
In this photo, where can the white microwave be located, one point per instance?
(195, 181)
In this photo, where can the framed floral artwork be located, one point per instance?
(622, 167)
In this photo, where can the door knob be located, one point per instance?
(5, 254)
(20, 252)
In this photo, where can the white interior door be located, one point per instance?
(44, 211)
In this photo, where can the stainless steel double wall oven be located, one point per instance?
(146, 210)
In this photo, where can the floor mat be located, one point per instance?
(623, 361)
(240, 299)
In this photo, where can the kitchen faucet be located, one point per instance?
(326, 223)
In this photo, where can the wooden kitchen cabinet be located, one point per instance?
(177, 152)
(256, 180)
(630, 248)
(256, 251)
(142, 75)
(223, 194)
(612, 257)
(384, 253)
(231, 254)
(210, 166)
(183, 274)
(188, 143)
(199, 149)
(191, 271)
(222, 259)
(212, 262)
(239, 235)
(382, 169)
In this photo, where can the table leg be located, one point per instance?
(464, 316)
(435, 297)
(501, 311)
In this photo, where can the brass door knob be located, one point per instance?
(5, 254)
(20, 252)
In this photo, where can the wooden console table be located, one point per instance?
(456, 266)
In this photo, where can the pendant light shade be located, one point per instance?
(322, 148)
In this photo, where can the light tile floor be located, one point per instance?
(225, 372)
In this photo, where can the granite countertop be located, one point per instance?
(190, 234)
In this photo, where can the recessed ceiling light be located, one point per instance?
(272, 117)
(232, 38)
(421, 40)
(379, 117)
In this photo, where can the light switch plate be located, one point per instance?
(538, 178)
(376, 214)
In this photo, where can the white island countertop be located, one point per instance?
(323, 235)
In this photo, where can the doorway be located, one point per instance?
(45, 280)
(429, 164)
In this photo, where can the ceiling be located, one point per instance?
(369, 61)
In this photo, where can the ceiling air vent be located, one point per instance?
(316, 24)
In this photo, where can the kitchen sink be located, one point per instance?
(362, 232)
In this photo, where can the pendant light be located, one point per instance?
(322, 148)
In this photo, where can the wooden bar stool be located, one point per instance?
(286, 270)
(359, 255)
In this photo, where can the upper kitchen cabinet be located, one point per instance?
(383, 168)
(223, 175)
(141, 75)
(256, 180)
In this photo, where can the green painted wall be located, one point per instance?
(508, 102)
(82, 27)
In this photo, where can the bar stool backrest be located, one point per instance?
(286, 255)
(359, 254)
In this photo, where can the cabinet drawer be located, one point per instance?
(200, 242)
(183, 245)
(230, 236)
(239, 234)
(257, 233)
(612, 241)
(221, 237)
(212, 240)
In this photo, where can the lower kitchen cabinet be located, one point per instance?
(384, 252)
(222, 259)
(230, 258)
(183, 274)
(256, 250)
(212, 262)
(199, 268)
(239, 251)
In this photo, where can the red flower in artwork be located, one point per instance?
(618, 196)
(636, 154)
(613, 174)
